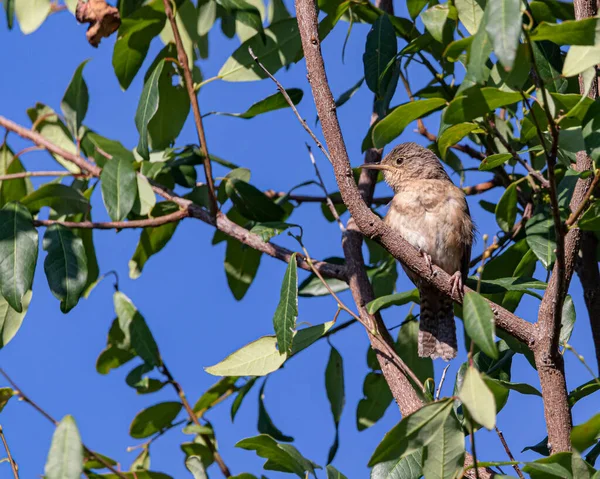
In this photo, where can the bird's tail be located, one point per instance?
(437, 331)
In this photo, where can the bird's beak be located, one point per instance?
(374, 166)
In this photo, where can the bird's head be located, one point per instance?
(409, 162)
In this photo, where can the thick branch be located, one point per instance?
(370, 224)
(221, 222)
(189, 84)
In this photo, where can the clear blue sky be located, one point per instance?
(183, 291)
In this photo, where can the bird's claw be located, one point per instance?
(457, 284)
(427, 259)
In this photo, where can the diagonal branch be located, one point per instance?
(118, 225)
(13, 464)
(189, 84)
(221, 222)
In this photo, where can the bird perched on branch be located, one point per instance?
(432, 214)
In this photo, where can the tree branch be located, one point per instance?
(221, 222)
(192, 415)
(189, 83)
(13, 464)
(118, 225)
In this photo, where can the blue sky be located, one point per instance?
(183, 292)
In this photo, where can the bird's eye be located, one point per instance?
(399, 161)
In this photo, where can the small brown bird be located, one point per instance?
(432, 214)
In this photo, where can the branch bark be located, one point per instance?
(549, 361)
(587, 265)
(221, 222)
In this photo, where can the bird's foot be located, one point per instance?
(427, 259)
(457, 284)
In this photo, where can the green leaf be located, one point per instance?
(451, 136)
(579, 58)
(133, 40)
(65, 458)
(147, 108)
(136, 331)
(494, 161)
(564, 465)
(344, 97)
(470, 13)
(548, 58)
(241, 265)
(9, 8)
(18, 250)
(5, 395)
(415, 6)
(398, 299)
(504, 29)
(284, 320)
(65, 265)
(74, 104)
(394, 124)
(50, 127)
(567, 320)
(145, 199)
(479, 54)
(221, 389)
(280, 457)
(195, 466)
(541, 238)
(407, 347)
(478, 399)
(152, 239)
(377, 398)
(173, 107)
(270, 229)
(61, 198)
(11, 320)
(265, 424)
(237, 402)
(333, 473)
(434, 20)
(30, 14)
(245, 13)
(586, 434)
(479, 323)
(12, 190)
(305, 337)
(92, 144)
(454, 49)
(271, 103)
(151, 420)
(380, 50)
(257, 358)
(506, 209)
(119, 188)
(408, 467)
(578, 32)
(591, 133)
(111, 358)
(583, 391)
(186, 21)
(522, 388)
(334, 385)
(253, 203)
(443, 458)
(413, 432)
(476, 102)
(207, 14)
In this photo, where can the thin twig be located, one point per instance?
(290, 103)
(189, 83)
(385, 346)
(13, 464)
(19, 392)
(190, 411)
(27, 150)
(508, 453)
(327, 198)
(30, 174)
(584, 202)
(439, 389)
(533, 172)
(109, 225)
(581, 359)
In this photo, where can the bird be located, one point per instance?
(431, 213)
